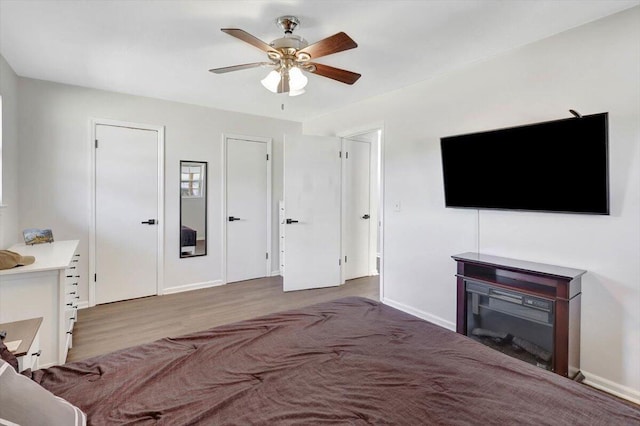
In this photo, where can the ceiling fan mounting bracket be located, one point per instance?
(287, 23)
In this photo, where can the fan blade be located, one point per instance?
(239, 67)
(338, 74)
(248, 38)
(334, 44)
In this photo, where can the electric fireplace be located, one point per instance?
(530, 311)
(512, 322)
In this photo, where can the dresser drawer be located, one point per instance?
(70, 318)
(32, 357)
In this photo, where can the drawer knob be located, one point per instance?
(69, 304)
(72, 292)
(73, 318)
(69, 276)
(37, 353)
(70, 332)
(74, 283)
(77, 254)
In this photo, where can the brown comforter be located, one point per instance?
(350, 361)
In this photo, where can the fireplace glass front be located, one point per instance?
(517, 324)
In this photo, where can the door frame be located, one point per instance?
(93, 122)
(350, 134)
(223, 204)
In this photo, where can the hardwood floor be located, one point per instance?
(105, 328)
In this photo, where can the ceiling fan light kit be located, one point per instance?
(290, 55)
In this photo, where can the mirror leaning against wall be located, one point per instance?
(193, 208)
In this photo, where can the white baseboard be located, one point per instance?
(420, 314)
(83, 305)
(613, 388)
(275, 273)
(194, 286)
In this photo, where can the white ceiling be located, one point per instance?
(163, 49)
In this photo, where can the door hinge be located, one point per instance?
(267, 256)
(96, 143)
(345, 259)
(267, 157)
(340, 154)
(347, 154)
(339, 262)
(95, 278)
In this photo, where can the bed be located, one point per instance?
(187, 240)
(348, 361)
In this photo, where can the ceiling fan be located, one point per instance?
(290, 55)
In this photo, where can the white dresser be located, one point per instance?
(48, 288)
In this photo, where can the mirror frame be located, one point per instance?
(205, 189)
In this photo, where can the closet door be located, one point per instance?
(126, 213)
(248, 182)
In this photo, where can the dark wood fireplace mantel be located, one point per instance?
(555, 283)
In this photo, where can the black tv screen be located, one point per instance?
(554, 166)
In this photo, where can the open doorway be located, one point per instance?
(361, 201)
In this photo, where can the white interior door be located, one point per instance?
(247, 209)
(357, 204)
(312, 182)
(126, 196)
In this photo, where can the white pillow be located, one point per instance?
(24, 402)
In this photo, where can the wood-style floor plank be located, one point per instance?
(105, 328)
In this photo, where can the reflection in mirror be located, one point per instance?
(193, 208)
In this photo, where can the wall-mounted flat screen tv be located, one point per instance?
(553, 166)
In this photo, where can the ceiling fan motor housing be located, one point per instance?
(290, 44)
(289, 41)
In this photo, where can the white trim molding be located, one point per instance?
(194, 286)
(351, 133)
(611, 387)
(420, 314)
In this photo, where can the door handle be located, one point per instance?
(290, 221)
(231, 218)
(366, 216)
(149, 222)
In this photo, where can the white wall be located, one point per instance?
(593, 68)
(9, 232)
(55, 163)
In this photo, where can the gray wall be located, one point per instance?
(593, 68)
(9, 232)
(55, 165)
